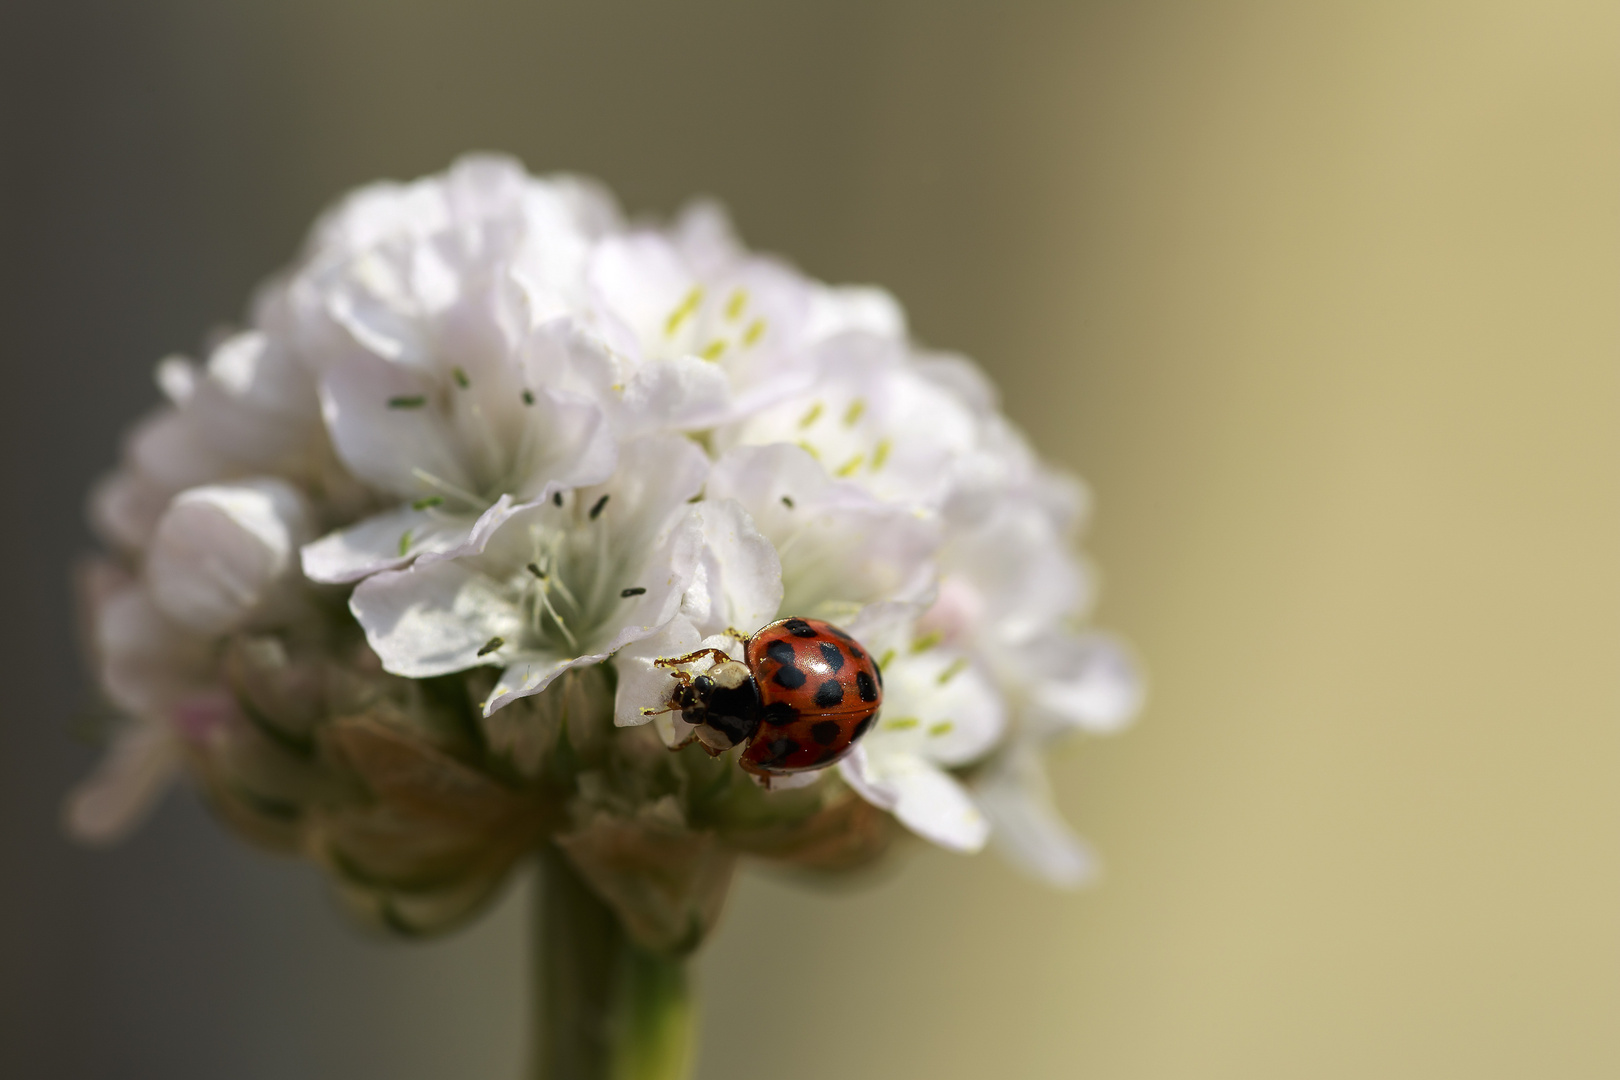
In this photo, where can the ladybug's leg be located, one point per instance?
(716, 655)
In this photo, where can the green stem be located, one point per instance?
(605, 1008)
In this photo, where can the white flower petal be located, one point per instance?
(1009, 576)
(1090, 682)
(532, 675)
(629, 546)
(643, 685)
(703, 233)
(225, 553)
(678, 393)
(565, 442)
(842, 309)
(738, 584)
(256, 405)
(125, 507)
(926, 800)
(138, 767)
(667, 572)
(382, 425)
(840, 548)
(434, 619)
(146, 660)
(1026, 827)
(642, 280)
(871, 418)
(938, 707)
(167, 448)
(388, 540)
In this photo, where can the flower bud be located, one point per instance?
(225, 554)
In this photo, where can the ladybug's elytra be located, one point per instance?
(801, 696)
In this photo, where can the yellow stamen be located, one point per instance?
(901, 723)
(853, 413)
(880, 453)
(812, 451)
(736, 303)
(755, 331)
(886, 659)
(713, 349)
(927, 641)
(952, 670)
(811, 416)
(944, 727)
(684, 309)
(848, 468)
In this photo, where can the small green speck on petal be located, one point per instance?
(927, 641)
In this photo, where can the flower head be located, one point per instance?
(417, 570)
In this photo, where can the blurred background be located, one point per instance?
(1321, 299)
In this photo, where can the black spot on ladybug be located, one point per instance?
(833, 655)
(865, 686)
(826, 756)
(780, 750)
(825, 733)
(780, 712)
(788, 677)
(860, 728)
(838, 633)
(829, 693)
(780, 651)
(856, 653)
(879, 669)
(799, 628)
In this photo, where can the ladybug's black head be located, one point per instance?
(723, 705)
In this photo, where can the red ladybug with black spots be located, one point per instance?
(801, 696)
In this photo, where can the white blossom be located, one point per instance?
(484, 432)
(564, 583)
(939, 711)
(872, 418)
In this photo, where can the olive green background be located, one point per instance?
(1320, 298)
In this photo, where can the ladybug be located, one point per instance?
(800, 697)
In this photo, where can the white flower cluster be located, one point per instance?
(495, 429)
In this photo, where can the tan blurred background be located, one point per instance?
(1320, 298)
